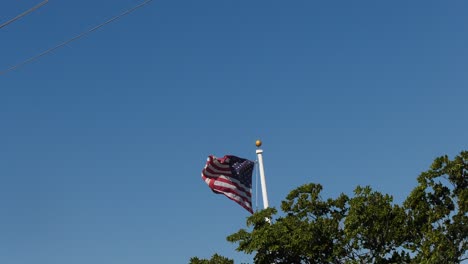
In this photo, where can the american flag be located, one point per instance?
(231, 176)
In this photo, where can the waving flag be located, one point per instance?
(231, 176)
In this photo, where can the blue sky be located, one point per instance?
(103, 141)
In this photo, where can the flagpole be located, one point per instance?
(259, 152)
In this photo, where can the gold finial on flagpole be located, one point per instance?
(258, 143)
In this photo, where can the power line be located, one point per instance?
(32, 9)
(74, 38)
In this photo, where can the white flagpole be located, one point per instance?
(259, 151)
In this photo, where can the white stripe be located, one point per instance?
(229, 186)
(238, 199)
(234, 181)
(207, 180)
(232, 187)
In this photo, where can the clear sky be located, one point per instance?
(103, 141)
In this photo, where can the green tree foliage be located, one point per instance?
(438, 212)
(215, 259)
(430, 227)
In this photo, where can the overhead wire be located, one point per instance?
(31, 59)
(32, 9)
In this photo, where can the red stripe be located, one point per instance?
(224, 160)
(244, 189)
(215, 167)
(235, 185)
(243, 205)
(221, 160)
(212, 158)
(223, 190)
(213, 175)
(233, 191)
(227, 190)
(210, 170)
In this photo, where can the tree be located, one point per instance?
(438, 212)
(431, 226)
(215, 259)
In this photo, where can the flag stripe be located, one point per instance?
(219, 183)
(212, 171)
(225, 186)
(220, 165)
(230, 180)
(246, 205)
(236, 184)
